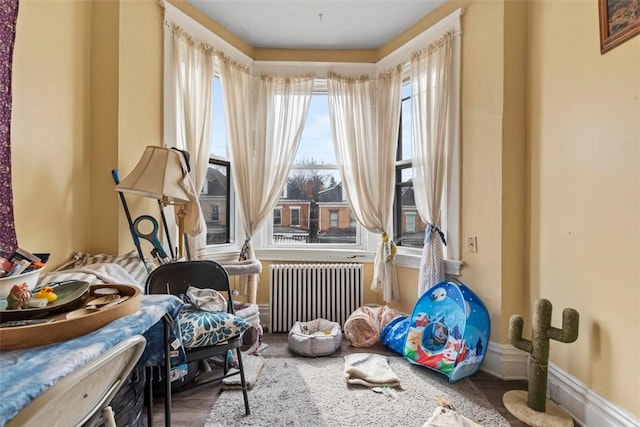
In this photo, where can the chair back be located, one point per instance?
(175, 278)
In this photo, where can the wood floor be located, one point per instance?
(191, 407)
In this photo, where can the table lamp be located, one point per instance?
(158, 175)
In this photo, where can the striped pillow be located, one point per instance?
(129, 261)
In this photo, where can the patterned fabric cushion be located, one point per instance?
(203, 328)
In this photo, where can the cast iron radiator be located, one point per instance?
(303, 292)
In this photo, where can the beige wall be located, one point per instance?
(550, 159)
(50, 135)
(584, 137)
(141, 103)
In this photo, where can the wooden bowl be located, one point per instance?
(61, 329)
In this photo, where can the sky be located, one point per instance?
(316, 142)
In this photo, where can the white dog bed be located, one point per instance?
(319, 337)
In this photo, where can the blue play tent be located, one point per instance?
(448, 331)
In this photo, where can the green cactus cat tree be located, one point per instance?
(533, 407)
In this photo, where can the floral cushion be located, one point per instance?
(204, 328)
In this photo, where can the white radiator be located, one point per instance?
(303, 292)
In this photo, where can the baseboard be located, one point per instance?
(587, 407)
(505, 361)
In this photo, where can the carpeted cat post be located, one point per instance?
(533, 407)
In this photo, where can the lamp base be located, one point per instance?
(181, 214)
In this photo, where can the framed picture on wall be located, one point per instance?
(619, 22)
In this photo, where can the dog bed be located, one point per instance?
(319, 337)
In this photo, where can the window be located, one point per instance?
(312, 160)
(215, 213)
(216, 198)
(410, 221)
(315, 186)
(295, 217)
(407, 230)
(277, 216)
(333, 219)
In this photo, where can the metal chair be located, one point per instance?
(85, 394)
(175, 278)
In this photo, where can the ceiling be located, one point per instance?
(316, 24)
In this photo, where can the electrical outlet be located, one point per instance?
(472, 244)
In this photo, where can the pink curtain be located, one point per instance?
(8, 18)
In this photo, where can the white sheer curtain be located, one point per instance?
(365, 121)
(265, 118)
(193, 68)
(431, 93)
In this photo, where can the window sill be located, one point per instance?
(315, 255)
(404, 260)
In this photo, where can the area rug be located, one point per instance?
(252, 369)
(314, 392)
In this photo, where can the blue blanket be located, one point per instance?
(27, 373)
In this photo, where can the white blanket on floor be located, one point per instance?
(371, 370)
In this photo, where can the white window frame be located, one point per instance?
(366, 242)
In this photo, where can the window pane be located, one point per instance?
(277, 216)
(405, 122)
(214, 201)
(406, 175)
(316, 144)
(412, 229)
(314, 186)
(410, 221)
(324, 214)
(218, 128)
(408, 227)
(295, 216)
(333, 219)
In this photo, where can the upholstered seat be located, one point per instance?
(205, 328)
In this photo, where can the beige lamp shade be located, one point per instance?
(157, 175)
